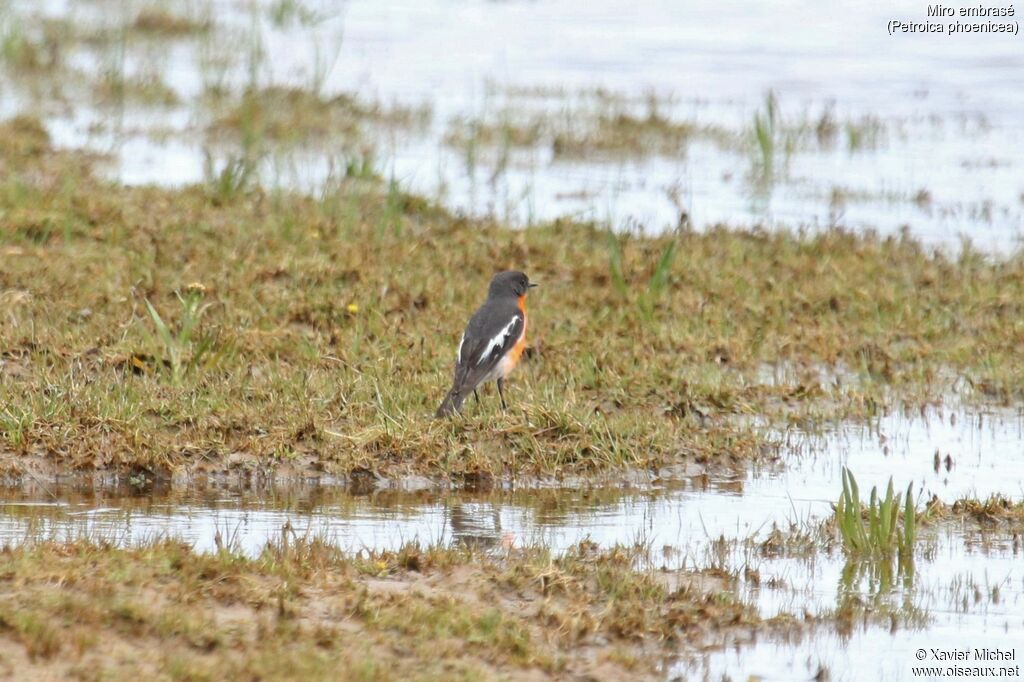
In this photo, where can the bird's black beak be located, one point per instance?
(531, 285)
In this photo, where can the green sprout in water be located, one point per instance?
(183, 349)
(873, 537)
(774, 143)
(874, 531)
(765, 133)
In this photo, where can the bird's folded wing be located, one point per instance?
(485, 342)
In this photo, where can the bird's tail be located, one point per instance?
(451, 404)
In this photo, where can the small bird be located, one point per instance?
(493, 342)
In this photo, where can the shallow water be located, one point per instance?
(872, 654)
(986, 452)
(951, 109)
(967, 578)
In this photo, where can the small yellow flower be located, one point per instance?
(382, 565)
(352, 308)
(196, 288)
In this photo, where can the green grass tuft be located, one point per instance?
(876, 530)
(184, 348)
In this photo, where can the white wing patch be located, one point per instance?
(498, 341)
(458, 353)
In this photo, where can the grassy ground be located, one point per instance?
(83, 610)
(227, 328)
(221, 326)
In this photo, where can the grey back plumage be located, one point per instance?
(492, 331)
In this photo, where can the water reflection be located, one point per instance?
(982, 446)
(936, 156)
(474, 524)
(964, 576)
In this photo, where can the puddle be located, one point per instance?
(967, 592)
(946, 454)
(874, 655)
(963, 583)
(967, 578)
(985, 451)
(944, 164)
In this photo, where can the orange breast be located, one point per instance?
(517, 350)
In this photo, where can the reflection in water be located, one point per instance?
(981, 446)
(961, 578)
(869, 589)
(474, 524)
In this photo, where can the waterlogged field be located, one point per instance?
(750, 568)
(237, 242)
(532, 112)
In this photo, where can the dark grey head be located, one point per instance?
(510, 283)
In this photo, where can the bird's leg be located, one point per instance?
(477, 396)
(501, 393)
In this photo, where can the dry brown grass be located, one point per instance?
(329, 325)
(303, 609)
